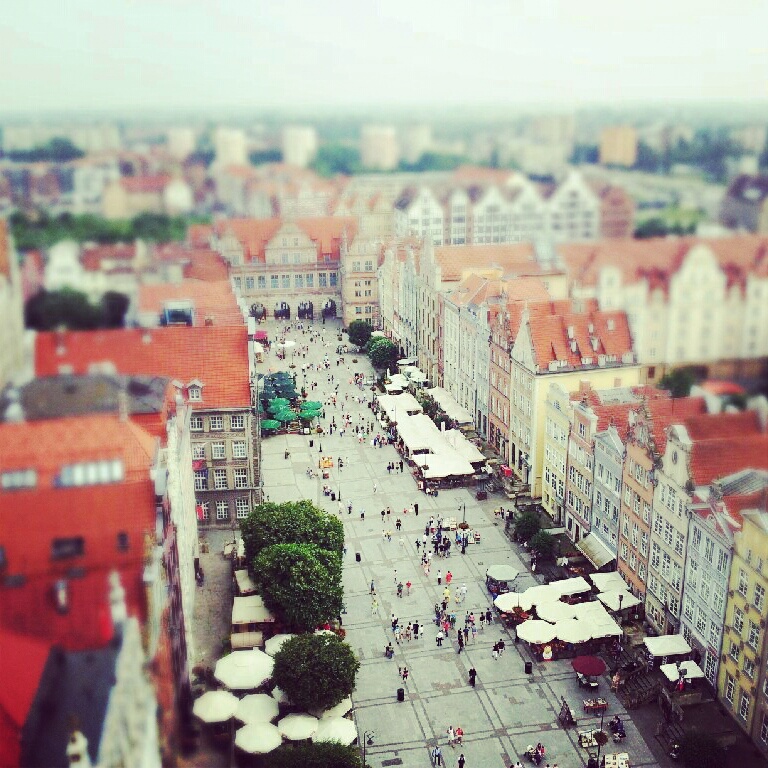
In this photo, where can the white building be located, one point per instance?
(415, 140)
(181, 142)
(299, 144)
(379, 150)
(574, 211)
(230, 147)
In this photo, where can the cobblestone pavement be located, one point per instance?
(508, 709)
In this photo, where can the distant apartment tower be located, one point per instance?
(378, 147)
(299, 145)
(415, 140)
(618, 145)
(230, 147)
(181, 142)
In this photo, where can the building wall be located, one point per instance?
(609, 465)
(556, 432)
(618, 145)
(378, 147)
(579, 479)
(11, 310)
(359, 284)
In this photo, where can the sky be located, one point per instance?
(58, 55)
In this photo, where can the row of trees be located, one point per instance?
(57, 150)
(35, 232)
(50, 310)
(528, 529)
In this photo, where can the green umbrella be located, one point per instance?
(308, 415)
(270, 424)
(312, 404)
(281, 401)
(285, 416)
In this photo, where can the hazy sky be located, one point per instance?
(105, 54)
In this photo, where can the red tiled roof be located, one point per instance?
(665, 412)
(719, 426)
(93, 257)
(144, 184)
(199, 235)
(713, 459)
(209, 299)
(514, 260)
(216, 355)
(722, 388)
(22, 660)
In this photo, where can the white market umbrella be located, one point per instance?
(611, 599)
(341, 709)
(555, 611)
(572, 586)
(257, 708)
(272, 646)
(573, 631)
(511, 600)
(542, 593)
(536, 631)
(280, 696)
(502, 572)
(243, 670)
(335, 729)
(297, 727)
(215, 706)
(258, 738)
(607, 628)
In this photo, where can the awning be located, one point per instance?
(667, 645)
(688, 669)
(618, 600)
(595, 551)
(608, 582)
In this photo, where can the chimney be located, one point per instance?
(209, 319)
(117, 606)
(77, 750)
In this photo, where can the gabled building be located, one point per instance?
(715, 521)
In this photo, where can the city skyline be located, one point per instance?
(168, 55)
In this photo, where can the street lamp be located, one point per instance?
(367, 741)
(463, 509)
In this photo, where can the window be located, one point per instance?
(734, 651)
(198, 451)
(201, 479)
(237, 421)
(196, 423)
(743, 583)
(122, 541)
(730, 688)
(285, 281)
(249, 283)
(204, 510)
(274, 281)
(261, 281)
(738, 620)
(218, 451)
(759, 600)
(679, 543)
(744, 704)
(322, 279)
(216, 422)
(582, 430)
(20, 478)
(749, 667)
(298, 282)
(238, 283)
(241, 478)
(64, 548)
(220, 479)
(754, 635)
(646, 512)
(332, 279)
(222, 510)
(241, 508)
(310, 281)
(238, 449)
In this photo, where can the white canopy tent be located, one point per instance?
(419, 433)
(397, 407)
(435, 465)
(258, 738)
(611, 599)
(555, 611)
(257, 708)
(536, 631)
(572, 586)
(608, 582)
(335, 729)
(511, 600)
(215, 706)
(595, 551)
(502, 572)
(542, 593)
(667, 645)
(297, 727)
(690, 670)
(573, 631)
(461, 445)
(273, 645)
(341, 709)
(448, 403)
(243, 670)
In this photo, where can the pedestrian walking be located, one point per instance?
(398, 523)
(416, 628)
(374, 606)
(448, 577)
(461, 761)
(466, 634)
(461, 643)
(408, 586)
(439, 577)
(373, 587)
(400, 589)
(404, 674)
(472, 676)
(439, 638)
(375, 487)
(451, 736)
(437, 756)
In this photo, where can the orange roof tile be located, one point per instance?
(718, 426)
(209, 299)
(713, 459)
(517, 259)
(665, 412)
(144, 184)
(216, 355)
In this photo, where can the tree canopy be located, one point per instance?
(543, 544)
(301, 583)
(315, 671)
(49, 310)
(57, 150)
(527, 525)
(359, 332)
(678, 382)
(433, 161)
(293, 522)
(383, 353)
(313, 755)
(262, 156)
(333, 159)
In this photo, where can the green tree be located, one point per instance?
(57, 150)
(262, 156)
(359, 333)
(701, 750)
(653, 227)
(315, 671)
(49, 310)
(678, 382)
(433, 161)
(114, 305)
(383, 353)
(334, 159)
(321, 754)
(293, 522)
(543, 544)
(301, 583)
(527, 525)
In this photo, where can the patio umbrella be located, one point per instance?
(541, 593)
(573, 631)
(258, 738)
(257, 708)
(297, 727)
(502, 572)
(280, 696)
(278, 404)
(335, 729)
(242, 670)
(536, 631)
(309, 415)
(285, 416)
(312, 404)
(270, 424)
(510, 600)
(215, 706)
(572, 586)
(555, 611)
(341, 709)
(272, 646)
(591, 666)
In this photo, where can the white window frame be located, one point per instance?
(222, 509)
(241, 508)
(198, 451)
(196, 424)
(220, 480)
(239, 449)
(219, 450)
(241, 477)
(216, 423)
(237, 421)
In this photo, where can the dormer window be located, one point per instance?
(195, 393)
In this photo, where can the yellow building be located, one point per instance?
(741, 683)
(557, 427)
(618, 145)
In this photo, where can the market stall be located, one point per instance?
(499, 577)
(661, 648)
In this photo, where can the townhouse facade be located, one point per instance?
(11, 309)
(557, 430)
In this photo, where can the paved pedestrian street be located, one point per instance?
(508, 709)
